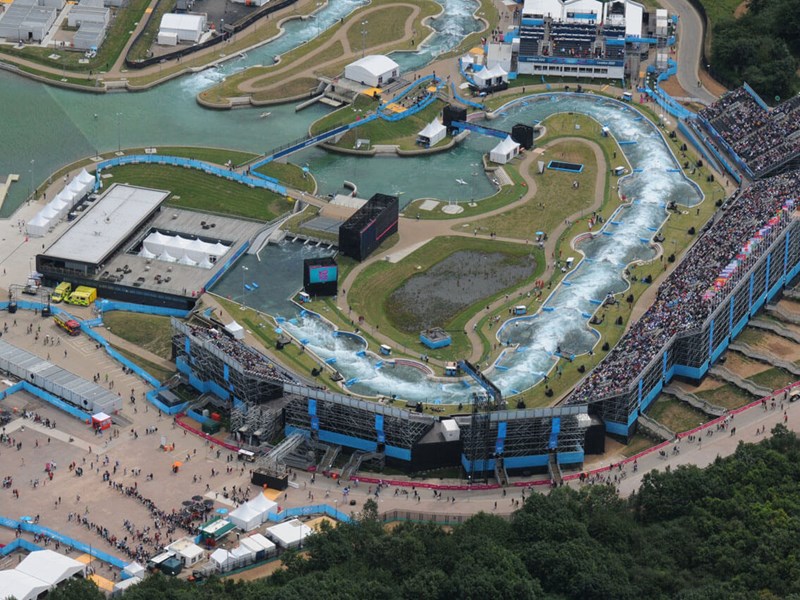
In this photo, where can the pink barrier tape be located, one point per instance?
(202, 434)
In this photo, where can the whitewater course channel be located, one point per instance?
(49, 127)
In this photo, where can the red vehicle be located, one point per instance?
(71, 326)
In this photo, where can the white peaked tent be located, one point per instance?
(504, 151)
(66, 196)
(185, 260)
(166, 257)
(263, 505)
(78, 188)
(49, 213)
(245, 518)
(205, 264)
(489, 77)
(84, 177)
(145, 253)
(134, 569)
(60, 206)
(38, 225)
(433, 133)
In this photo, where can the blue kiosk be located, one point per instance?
(435, 338)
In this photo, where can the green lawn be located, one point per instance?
(155, 370)
(638, 443)
(151, 332)
(199, 191)
(290, 175)
(384, 25)
(719, 10)
(346, 114)
(555, 197)
(774, 378)
(403, 132)
(217, 156)
(675, 415)
(369, 296)
(727, 396)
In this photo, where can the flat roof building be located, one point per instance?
(26, 21)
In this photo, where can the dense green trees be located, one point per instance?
(728, 531)
(761, 48)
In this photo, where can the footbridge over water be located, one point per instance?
(490, 131)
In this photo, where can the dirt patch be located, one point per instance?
(707, 384)
(673, 88)
(435, 297)
(741, 10)
(790, 306)
(742, 366)
(711, 84)
(778, 346)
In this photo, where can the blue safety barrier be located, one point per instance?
(109, 305)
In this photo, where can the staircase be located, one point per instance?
(354, 464)
(554, 470)
(500, 472)
(752, 388)
(326, 464)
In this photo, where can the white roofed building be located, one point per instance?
(185, 27)
(21, 586)
(289, 534)
(50, 567)
(433, 133)
(373, 70)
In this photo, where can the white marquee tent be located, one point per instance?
(289, 534)
(489, 77)
(221, 559)
(433, 133)
(245, 517)
(373, 70)
(50, 567)
(504, 151)
(263, 505)
(38, 225)
(174, 248)
(21, 586)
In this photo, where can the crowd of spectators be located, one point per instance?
(762, 138)
(253, 362)
(680, 305)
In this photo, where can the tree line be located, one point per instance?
(762, 48)
(729, 531)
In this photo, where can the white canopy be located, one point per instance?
(245, 518)
(145, 253)
(237, 331)
(78, 188)
(15, 584)
(166, 257)
(433, 133)
(242, 552)
(51, 567)
(504, 151)
(38, 225)
(263, 542)
(489, 77)
(126, 583)
(185, 250)
(262, 504)
(289, 533)
(220, 557)
(48, 213)
(84, 177)
(60, 206)
(134, 569)
(185, 260)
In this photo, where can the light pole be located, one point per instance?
(363, 37)
(119, 134)
(244, 290)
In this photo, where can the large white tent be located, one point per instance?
(21, 586)
(245, 517)
(504, 151)
(185, 27)
(50, 567)
(433, 133)
(263, 505)
(183, 250)
(289, 534)
(373, 70)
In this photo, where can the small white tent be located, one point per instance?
(85, 178)
(504, 151)
(245, 518)
(38, 225)
(134, 569)
(486, 78)
(262, 504)
(221, 559)
(433, 133)
(60, 206)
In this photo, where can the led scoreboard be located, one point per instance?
(320, 276)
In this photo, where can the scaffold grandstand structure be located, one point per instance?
(716, 303)
(525, 439)
(353, 423)
(216, 362)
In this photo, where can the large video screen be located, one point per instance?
(322, 274)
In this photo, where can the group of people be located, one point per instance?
(680, 305)
(252, 361)
(759, 136)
